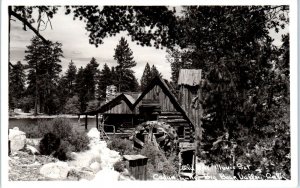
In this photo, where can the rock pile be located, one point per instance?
(16, 139)
(95, 164)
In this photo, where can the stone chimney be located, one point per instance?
(111, 92)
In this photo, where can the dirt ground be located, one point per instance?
(25, 167)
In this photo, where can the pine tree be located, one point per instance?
(70, 77)
(91, 74)
(81, 89)
(114, 76)
(85, 83)
(105, 79)
(124, 58)
(63, 92)
(147, 77)
(155, 72)
(72, 105)
(16, 85)
(43, 74)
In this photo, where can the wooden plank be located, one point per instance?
(138, 141)
(134, 157)
(170, 117)
(140, 173)
(145, 168)
(170, 113)
(176, 121)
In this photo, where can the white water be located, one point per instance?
(98, 152)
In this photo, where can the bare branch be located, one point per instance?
(29, 26)
(49, 21)
(39, 20)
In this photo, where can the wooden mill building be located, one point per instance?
(157, 102)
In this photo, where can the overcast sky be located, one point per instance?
(74, 38)
(76, 47)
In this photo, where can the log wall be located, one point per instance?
(157, 94)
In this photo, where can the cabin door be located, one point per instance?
(149, 110)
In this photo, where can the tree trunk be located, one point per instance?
(36, 92)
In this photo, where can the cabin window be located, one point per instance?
(180, 131)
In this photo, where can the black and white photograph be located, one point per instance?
(148, 93)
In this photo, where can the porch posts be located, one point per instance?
(97, 123)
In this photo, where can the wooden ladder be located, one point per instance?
(103, 135)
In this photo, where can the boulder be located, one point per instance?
(58, 170)
(95, 166)
(17, 139)
(75, 174)
(31, 150)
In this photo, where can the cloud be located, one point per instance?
(76, 47)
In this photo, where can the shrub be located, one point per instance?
(153, 155)
(79, 140)
(123, 146)
(157, 161)
(63, 139)
(168, 168)
(62, 128)
(63, 153)
(37, 130)
(119, 166)
(49, 144)
(44, 127)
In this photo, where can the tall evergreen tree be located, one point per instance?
(85, 83)
(91, 74)
(70, 77)
(72, 106)
(16, 85)
(81, 88)
(124, 58)
(146, 77)
(105, 79)
(44, 68)
(155, 72)
(114, 76)
(62, 92)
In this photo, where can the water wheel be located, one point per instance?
(160, 134)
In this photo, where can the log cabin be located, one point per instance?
(157, 102)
